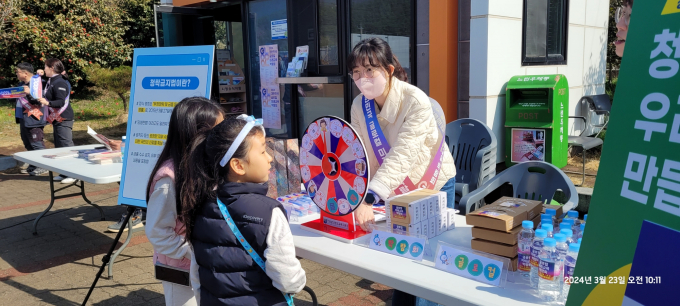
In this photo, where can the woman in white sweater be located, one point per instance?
(172, 253)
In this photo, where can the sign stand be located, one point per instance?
(107, 256)
(323, 226)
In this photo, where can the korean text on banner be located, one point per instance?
(401, 245)
(161, 77)
(269, 89)
(639, 199)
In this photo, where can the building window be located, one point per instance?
(544, 32)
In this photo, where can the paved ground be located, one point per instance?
(58, 266)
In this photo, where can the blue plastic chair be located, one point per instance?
(530, 180)
(473, 146)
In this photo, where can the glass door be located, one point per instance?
(261, 14)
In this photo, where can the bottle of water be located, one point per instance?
(569, 265)
(549, 271)
(579, 241)
(536, 248)
(552, 213)
(548, 228)
(569, 234)
(582, 228)
(123, 149)
(585, 218)
(562, 247)
(576, 225)
(524, 240)
(543, 217)
(565, 225)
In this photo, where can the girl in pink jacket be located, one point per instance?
(172, 253)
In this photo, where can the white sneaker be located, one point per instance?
(59, 178)
(68, 180)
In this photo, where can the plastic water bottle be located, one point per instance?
(552, 213)
(582, 228)
(585, 218)
(579, 240)
(569, 265)
(548, 228)
(565, 225)
(549, 271)
(536, 248)
(576, 226)
(562, 247)
(545, 219)
(569, 234)
(525, 239)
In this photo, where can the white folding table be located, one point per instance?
(83, 171)
(417, 278)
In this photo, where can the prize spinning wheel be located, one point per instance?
(333, 165)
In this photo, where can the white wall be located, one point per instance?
(496, 55)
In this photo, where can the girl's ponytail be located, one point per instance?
(197, 181)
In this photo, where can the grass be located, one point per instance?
(101, 110)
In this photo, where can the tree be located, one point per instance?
(116, 80)
(79, 33)
(139, 22)
(613, 60)
(7, 10)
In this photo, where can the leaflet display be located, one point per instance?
(161, 77)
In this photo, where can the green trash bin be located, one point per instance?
(536, 114)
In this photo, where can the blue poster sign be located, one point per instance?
(279, 29)
(161, 77)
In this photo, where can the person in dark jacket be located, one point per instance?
(31, 123)
(224, 170)
(56, 95)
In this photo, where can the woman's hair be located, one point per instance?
(378, 54)
(57, 66)
(201, 166)
(628, 3)
(190, 117)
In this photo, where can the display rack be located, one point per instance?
(232, 88)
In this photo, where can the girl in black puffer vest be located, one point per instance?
(227, 167)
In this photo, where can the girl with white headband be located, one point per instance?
(243, 247)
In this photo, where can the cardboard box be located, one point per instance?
(497, 236)
(558, 209)
(451, 219)
(432, 204)
(416, 205)
(505, 214)
(424, 228)
(505, 250)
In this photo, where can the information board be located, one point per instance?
(629, 250)
(161, 77)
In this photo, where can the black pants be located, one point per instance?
(32, 137)
(63, 133)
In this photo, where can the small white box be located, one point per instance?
(442, 223)
(442, 201)
(451, 218)
(432, 227)
(424, 228)
(414, 229)
(432, 206)
(424, 209)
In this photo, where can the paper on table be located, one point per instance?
(99, 137)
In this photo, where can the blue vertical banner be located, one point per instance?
(161, 77)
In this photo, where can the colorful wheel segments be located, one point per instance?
(333, 165)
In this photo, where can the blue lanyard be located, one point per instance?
(256, 257)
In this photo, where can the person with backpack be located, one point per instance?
(164, 227)
(243, 247)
